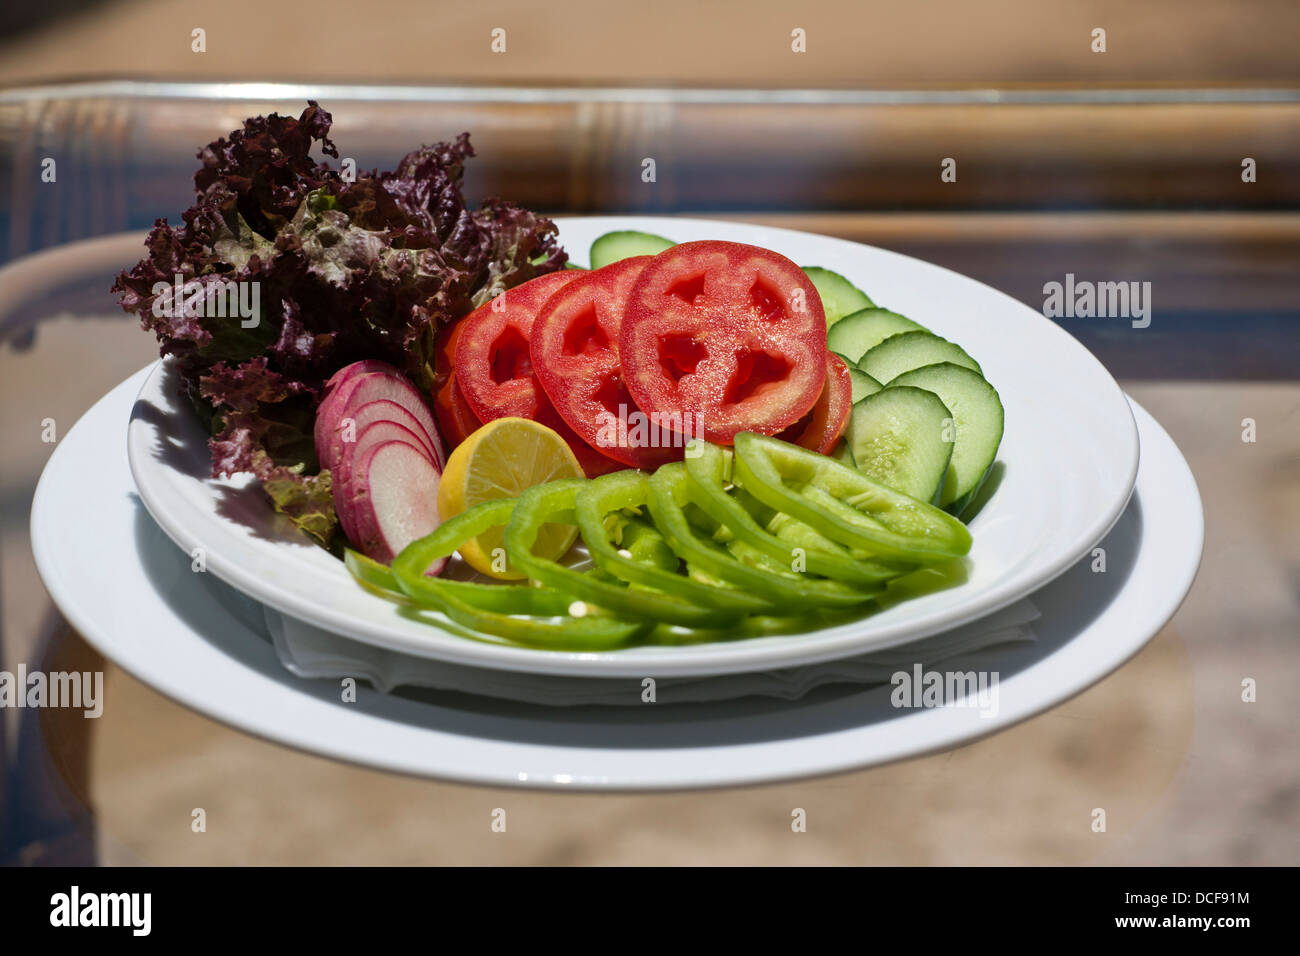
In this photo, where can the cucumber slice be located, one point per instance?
(839, 296)
(854, 335)
(863, 384)
(908, 350)
(977, 414)
(902, 437)
(613, 246)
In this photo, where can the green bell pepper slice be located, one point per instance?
(536, 617)
(506, 599)
(709, 471)
(645, 544)
(555, 501)
(629, 490)
(375, 576)
(845, 505)
(787, 588)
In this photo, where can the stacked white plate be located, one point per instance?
(1068, 484)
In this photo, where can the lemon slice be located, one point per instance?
(503, 459)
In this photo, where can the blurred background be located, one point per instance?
(1122, 164)
(851, 43)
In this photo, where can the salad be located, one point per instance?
(684, 442)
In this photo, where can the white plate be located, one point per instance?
(1070, 453)
(127, 589)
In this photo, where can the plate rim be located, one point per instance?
(311, 737)
(696, 660)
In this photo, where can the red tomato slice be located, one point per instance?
(494, 367)
(730, 337)
(492, 359)
(822, 427)
(444, 353)
(576, 356)
(593, 463)
(455, 418)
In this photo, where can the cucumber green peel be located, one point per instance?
(839, 296)
(978, 419)
(616, 246)
(855, 335)
(903, 437)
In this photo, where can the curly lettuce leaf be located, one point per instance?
(339, 271)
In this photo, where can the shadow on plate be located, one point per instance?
(180, 442)
(178, 451)
(235, 625)
(991, 484)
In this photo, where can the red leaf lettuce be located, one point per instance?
(340, 269)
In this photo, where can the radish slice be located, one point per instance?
(392, 499)
(358, 390)
(371, 413)
(359, 368)
(354, 451)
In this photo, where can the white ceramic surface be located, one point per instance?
(1069, 457)
(135, 597)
